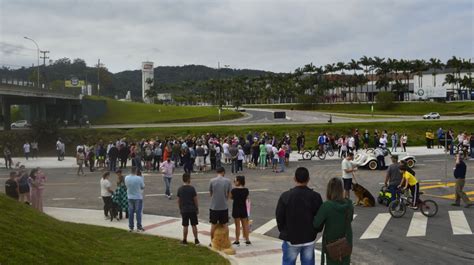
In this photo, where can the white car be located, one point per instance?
(20, 124)
(431, 115)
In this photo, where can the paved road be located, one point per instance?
(378, 238)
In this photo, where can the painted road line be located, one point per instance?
(266, 227)
(199, 192)
(434, 160)
(63, 199)
(418, 225)
(320, 240)
(375, 229)
(459, 223)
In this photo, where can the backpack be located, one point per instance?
(23, 184)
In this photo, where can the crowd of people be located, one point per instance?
(460, 143)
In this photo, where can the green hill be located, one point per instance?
(29, 237)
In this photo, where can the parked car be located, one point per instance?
(21, 124)
(431, 115)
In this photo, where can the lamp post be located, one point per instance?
(38, 52)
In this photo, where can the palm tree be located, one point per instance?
(354, 66)
(435, 65)
(367, 62)
(418, 67)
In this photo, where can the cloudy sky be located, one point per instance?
(260, 34)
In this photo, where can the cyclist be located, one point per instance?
(410, 181)
(322, 139)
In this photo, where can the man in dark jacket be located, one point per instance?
(294, 215)
(113, 155)
(460, 176)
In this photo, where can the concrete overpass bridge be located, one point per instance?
(40, 104)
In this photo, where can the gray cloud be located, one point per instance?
(262, 34)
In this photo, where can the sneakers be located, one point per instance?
(236, 243)
(196, 242)
(184, 242)
(248, 243)
(413, 207)
(140, 229)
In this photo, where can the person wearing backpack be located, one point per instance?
(335, 217)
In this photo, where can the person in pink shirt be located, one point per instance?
(37, 180)
(167, 168)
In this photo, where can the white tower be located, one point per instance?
(147, 79)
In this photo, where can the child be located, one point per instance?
(409, 180)
(239, 195)
(188, 206)
(274, 159)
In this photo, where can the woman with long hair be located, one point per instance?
(36, 180)
(335, 216)
(106, 193)
(120, 195)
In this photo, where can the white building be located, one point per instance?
(147, 79)
(435, 82)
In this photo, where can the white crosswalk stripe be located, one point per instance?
(375, 229)
(266, 227)
(459, 223)
(418, 225)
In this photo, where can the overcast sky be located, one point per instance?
(269, 35)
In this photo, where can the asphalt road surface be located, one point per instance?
(378, 238)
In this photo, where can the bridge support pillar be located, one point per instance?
(6, 114)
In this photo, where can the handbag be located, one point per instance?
(340, 248)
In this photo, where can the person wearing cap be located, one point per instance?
(460, 176)
(393, 177)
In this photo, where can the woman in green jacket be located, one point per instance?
(332, 217)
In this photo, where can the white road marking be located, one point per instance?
(418, 225)
(320, 240)
(199, 192)
(63, 199)
(375, 229)
(266, 227)
(459, 223)
(434, 160)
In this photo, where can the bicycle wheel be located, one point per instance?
(330, 152)
(397, 209)
(322, 155)
(307, 155)
(429, 208)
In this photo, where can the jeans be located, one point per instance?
(135, 206)
(218, 160)
(107, 204)
(394, 191)
(234, 167)
(27, 155)
(112, 164)
(167, 181)
(290, 253)
(282, 164)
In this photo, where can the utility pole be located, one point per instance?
(44, 57)
(98, 77)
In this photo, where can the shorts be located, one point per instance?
(347, 184)
(275, 161)
(187, 217)
(199, 161)
(218, 217)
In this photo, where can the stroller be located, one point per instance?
(384, 196)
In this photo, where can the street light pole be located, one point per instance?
(38, 54)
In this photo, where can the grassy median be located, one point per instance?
(122, 112)
(29, 237)
(411, 108)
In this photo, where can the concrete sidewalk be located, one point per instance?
(70, 162)
(264, 250)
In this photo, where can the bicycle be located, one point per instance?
(398, 207)
(309, 154)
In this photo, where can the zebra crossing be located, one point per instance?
(417, 228)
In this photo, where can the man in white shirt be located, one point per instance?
(348, 170)
(26, 150)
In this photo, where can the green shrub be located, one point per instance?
(385, 100)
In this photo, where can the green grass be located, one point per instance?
(120, 112)
(411, 108)
(29, 237)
